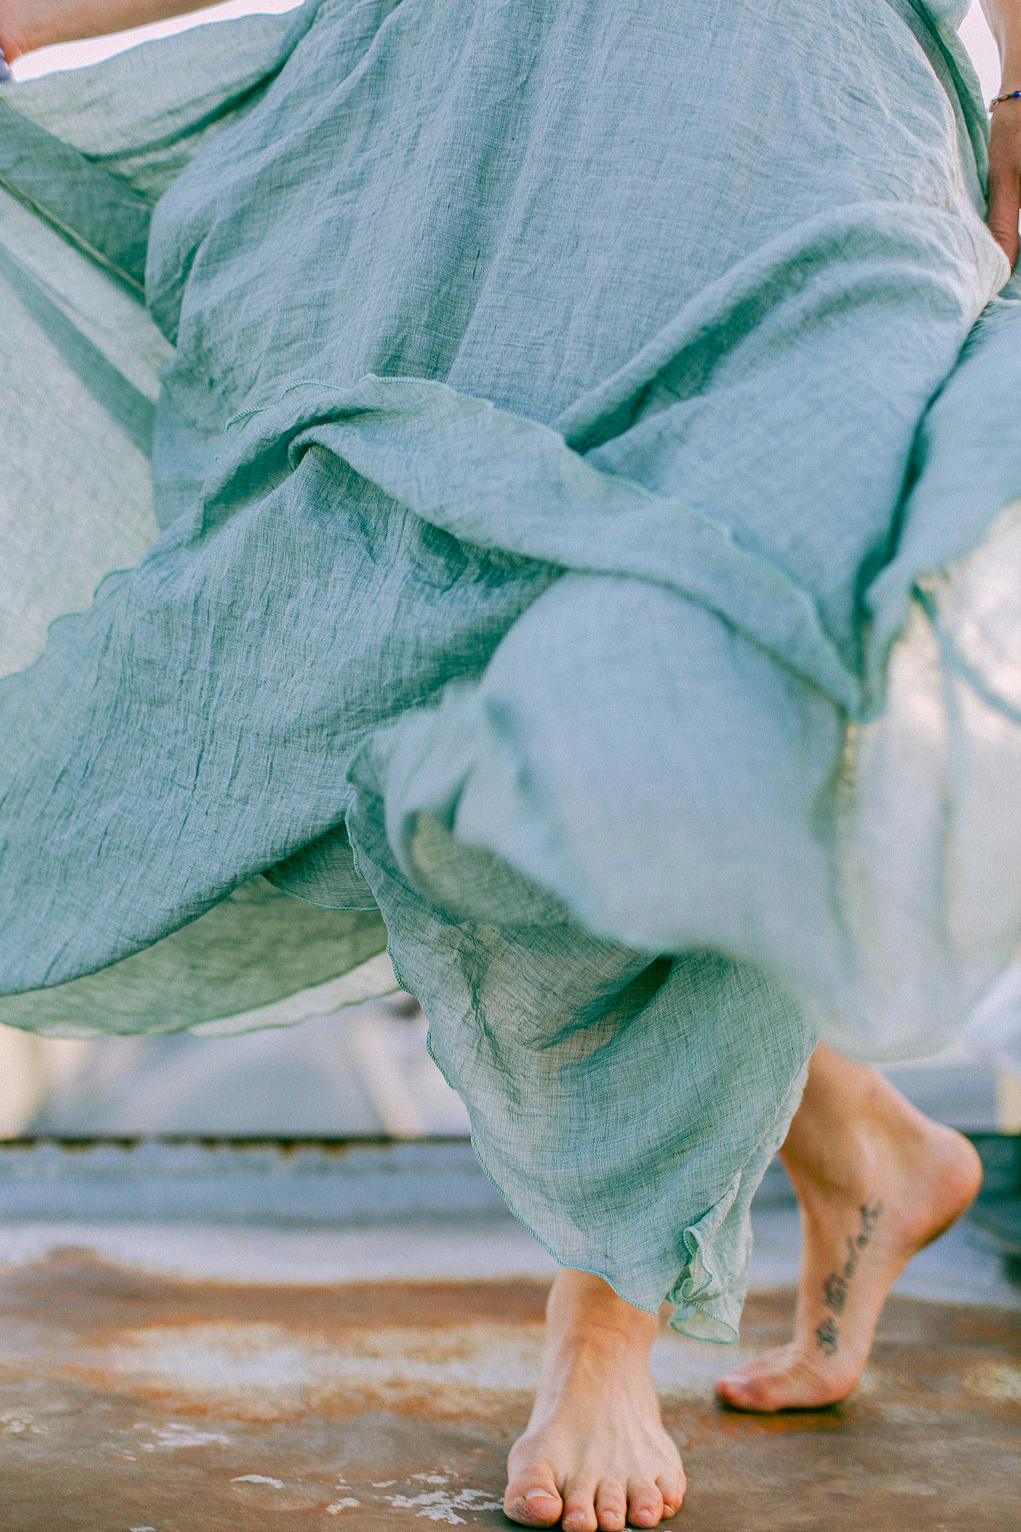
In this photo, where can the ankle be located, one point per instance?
(841, 1139)
(841, 1166)
(603, 1343)
(584, 1312)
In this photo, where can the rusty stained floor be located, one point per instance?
(134, 1403)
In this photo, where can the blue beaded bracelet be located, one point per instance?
(1010, 95)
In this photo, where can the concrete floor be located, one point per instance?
(165, 1375)
(132, 1402)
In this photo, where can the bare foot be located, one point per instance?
(876, 1180)
(595, 1454)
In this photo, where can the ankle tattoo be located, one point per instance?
(835, 1288)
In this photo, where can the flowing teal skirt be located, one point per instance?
(585, 443)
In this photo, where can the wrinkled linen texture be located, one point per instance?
(586, 473)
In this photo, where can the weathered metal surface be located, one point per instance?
(130, 1401)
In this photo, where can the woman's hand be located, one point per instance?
(29, 24)
(1005, 176)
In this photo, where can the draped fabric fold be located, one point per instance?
(590, 533)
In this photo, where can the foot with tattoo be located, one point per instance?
(876, 1180)
(595, 1454)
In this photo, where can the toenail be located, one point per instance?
(540, 1494)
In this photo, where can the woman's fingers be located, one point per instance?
(1005, 177)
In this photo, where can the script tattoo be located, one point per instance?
(835, 1288)
(826, 1337)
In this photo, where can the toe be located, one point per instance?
(644, 1505)
(580, 1510)
(795, 1383)
(611, 1507)
(733, 1389)
(735, 1385)
(760, 1390)
(757, 1394)
(533, 1503)
(671, 1487)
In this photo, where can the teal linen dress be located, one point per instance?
(585, 446)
